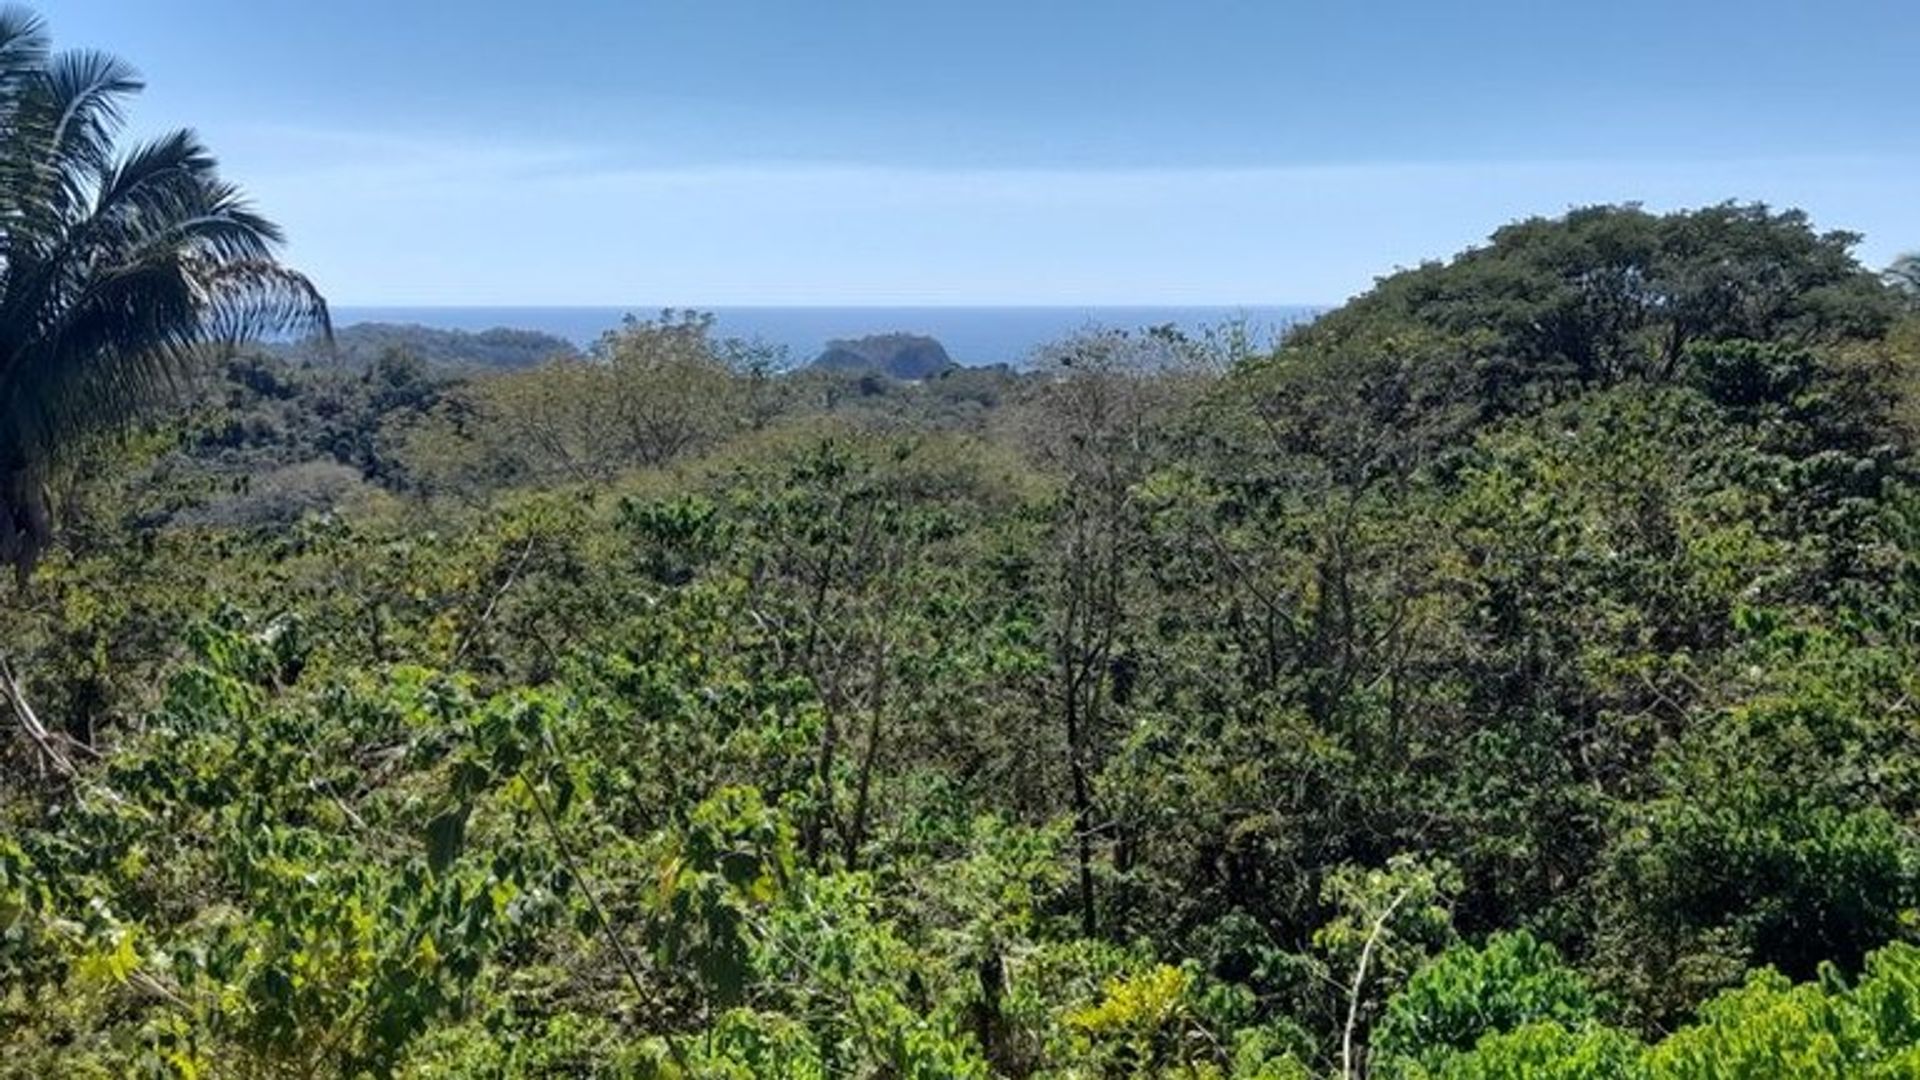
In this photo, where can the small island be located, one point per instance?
(908, 357)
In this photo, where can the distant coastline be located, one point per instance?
(972, 335)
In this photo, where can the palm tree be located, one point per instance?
(117, 269)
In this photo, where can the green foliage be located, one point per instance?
(1821, 1029)
(1466, 993)
(1609, 292)
(1767, 1027)
(733, 861)
(1550, 1050)
(657, 713)
(1746, 857)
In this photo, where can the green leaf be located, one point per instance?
(446, 835)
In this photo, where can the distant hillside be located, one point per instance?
(903, 356)
(359, 345)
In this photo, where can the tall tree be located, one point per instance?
(1094, 427)
(116, 267)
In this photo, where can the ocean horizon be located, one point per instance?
(971, 335)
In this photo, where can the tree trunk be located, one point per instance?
(1082, 797)
(26, 520)
(819, 820)
(857, 834)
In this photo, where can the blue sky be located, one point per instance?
(842, 152)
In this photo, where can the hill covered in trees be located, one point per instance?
(358, 346)
(1510, 674)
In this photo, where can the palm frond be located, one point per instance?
(174, 156)
(250, 300)
(57, 144)
(23, 45)
(88, 90)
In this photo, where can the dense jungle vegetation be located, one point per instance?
(1510, 674)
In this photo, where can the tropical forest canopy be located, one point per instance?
(1512, 673)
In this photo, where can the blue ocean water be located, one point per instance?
(972, 335)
